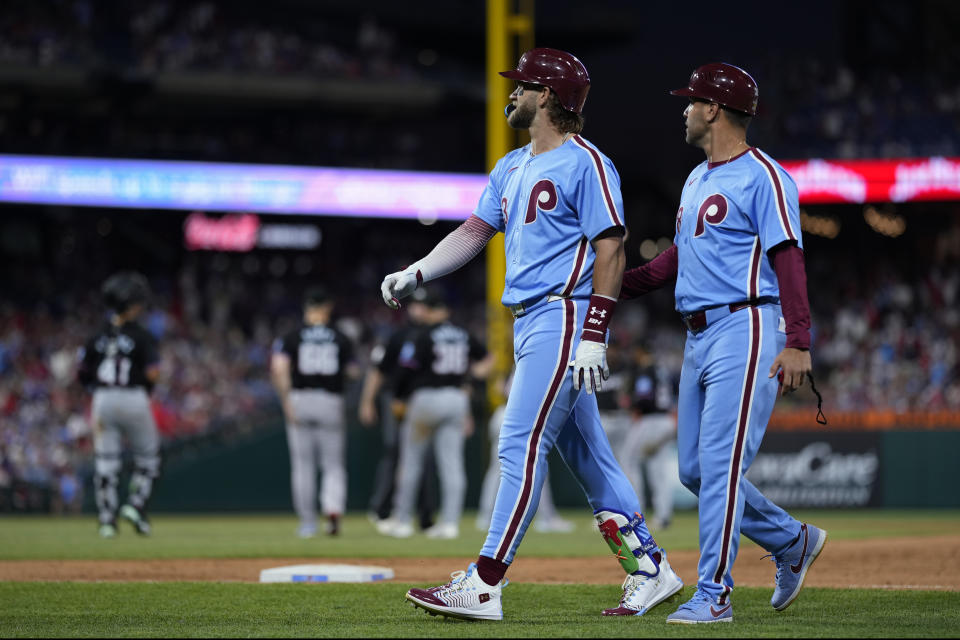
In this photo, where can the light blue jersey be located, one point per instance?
(549, 207)
(730, 215)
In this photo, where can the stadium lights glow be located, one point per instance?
(824, 226)
(423, 196)
(888, 224)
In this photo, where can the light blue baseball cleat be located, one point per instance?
(792, 566)
(702, 609)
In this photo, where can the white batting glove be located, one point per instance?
(590, 366)
(398, 285)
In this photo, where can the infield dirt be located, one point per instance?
(890, 563)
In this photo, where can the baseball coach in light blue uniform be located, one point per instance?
(741, 290)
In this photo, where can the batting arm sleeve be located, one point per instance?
(455, 250)
(792, 276)
(651, 276)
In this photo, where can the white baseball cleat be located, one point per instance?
(466, 597)
(394, 528)
(647, 588)
(443, 531)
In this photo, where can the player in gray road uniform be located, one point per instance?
(120, 364)
(438, 413)
(308, 367)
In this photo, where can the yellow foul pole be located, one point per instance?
(509, 33)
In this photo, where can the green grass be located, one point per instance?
(251, 536)
(335, 610)
(189, 609)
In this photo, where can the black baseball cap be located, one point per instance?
(428, 297)
(316, 295)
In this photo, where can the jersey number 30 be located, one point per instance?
(450, 358)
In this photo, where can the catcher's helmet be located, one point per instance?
(724, 84)
(124, 289)
(561, 71)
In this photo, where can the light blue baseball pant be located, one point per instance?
(544, 410)
(725, 400)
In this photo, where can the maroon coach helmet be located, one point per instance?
(561, 71)
(724, 84)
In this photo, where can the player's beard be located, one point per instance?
(522, 117)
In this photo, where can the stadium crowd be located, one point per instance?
(885, 337)
(828, 110)
(156, 36)
(883, 340)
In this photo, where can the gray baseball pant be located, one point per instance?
(436, 415)
(317, 438)
(119, 413)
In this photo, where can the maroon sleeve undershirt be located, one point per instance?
(787, 261)
(651, 276)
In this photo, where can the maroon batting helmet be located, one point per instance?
(724, 84)
(561, 71)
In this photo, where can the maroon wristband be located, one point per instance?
(419, 276)
(598, 317)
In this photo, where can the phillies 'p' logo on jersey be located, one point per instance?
(503, 209)
(543, 196)
(712, 211)
(679, 218)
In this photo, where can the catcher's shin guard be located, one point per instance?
(106, 479)
(145, 471)
(623, 536)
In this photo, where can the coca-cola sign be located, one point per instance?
(236, 232)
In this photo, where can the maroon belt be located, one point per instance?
(697, 321)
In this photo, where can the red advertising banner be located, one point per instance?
(861, 181)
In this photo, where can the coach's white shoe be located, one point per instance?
(655, 582)
(443, 531)
(466, 597)
(395, 528)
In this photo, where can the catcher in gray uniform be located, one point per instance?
(308, 368)
(120, 364)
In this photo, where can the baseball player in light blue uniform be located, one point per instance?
(557, 201)
(741, 290)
